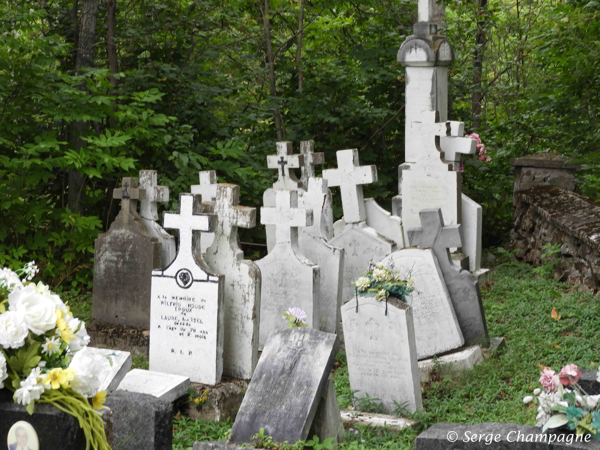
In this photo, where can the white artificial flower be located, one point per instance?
(381, 275)
(13, 329)
(51, 346)
(362, 284)
(38, 309)
(537, 391)
(81, 335)
(598, 376)
(528, 399)
(29, 391)
(592, 401)
(10, 280)
(3, 370)
(44, 290)
(90, 369)
(30, 270)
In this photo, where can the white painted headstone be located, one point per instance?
(436, 326)
(289, 279)
(242, 283)
(207, 189)
(283, 161)
(167, 387)
(311, 159)
(186, 324)
(118, 363)
(149, 215)
(382, 353)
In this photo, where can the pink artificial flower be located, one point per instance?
(569, 374)
(461, 167)
(476, 137)
(549, 380)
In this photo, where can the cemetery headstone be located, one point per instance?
(330, 259)
(186, 329)
(380, 343)
(287, 385)
(435, 323)
(164, 386)
(124, 259)
(361, 243)
(242, 282)
(311, 159)
(149, 215)
(207, 189)
(328, 419)
(120, 362)
(288, 278)
(462, 286)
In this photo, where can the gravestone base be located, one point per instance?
(460, 360)
(391, 423)
(222, 401)
(133, 340)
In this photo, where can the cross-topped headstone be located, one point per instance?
(286, 216)
(311, 159)
(350, 177)
(283, 161)
(129, 195)
(462, 286)
(425, 13)
(230, 214)
(207, 187)
(154, 194)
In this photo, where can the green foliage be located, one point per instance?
(546, 269)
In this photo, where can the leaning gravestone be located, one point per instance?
(167, 387)
(435, 323)
(125, 257)
(462, 286)
(186, 329)
(149, 215)
(379, 337)
(330, 260)
(286, 387)
(288, 278)
(242, 282)
(361, 243)
(119, 362)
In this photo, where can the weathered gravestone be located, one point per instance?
(164, 386)
(288, 278)
(361, 243)
(186, 332)
(119, 364)
(242, 282)
(330, 259)
(286, 387)
(435, 323)
(380, 343)
(207, 189)
(125, 257)
(149, 215)
(462, 286)
(311, 159)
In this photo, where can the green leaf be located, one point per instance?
(555, 421)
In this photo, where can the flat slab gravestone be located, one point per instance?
(167, 387)
(149, 215)
(186, 330)
(288, 278)
(242, 286)
(287, 385)
(462, 286)
(120, 363)
(382, 352)
(124, 259)
(329, 259)
(436, 326)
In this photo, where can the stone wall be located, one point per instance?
(551, 215)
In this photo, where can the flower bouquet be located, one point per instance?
(570, 406)
(295, 317)
(382, 283)
(40, 358)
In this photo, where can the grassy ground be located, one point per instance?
(518, 305)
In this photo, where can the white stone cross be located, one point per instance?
(433, 234)
(129, 194)
(311, 159)
(425, 10)
(350, 177)
(283, 161)
(154, 194)
(187, 222)
(286, 216)
(207, 187)
(230, 215)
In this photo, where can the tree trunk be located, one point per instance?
(299, 39)
(438, 14)
(478, 56)
(85, 58)
(271, 66)
(111, 32)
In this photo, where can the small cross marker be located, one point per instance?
(283, 161)
(350, 177)
(129, 194)
(207, 187)
(230, 215)
(286, 216)
(154, 194)
(311, 159)
(433, 234)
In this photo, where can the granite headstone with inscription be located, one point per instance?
(123, 263)
(287, 386)
(186, 333)
(379, 337)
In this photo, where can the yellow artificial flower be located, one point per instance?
(69, 376)
(56, 378)
(98, 400)
(66, 334)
